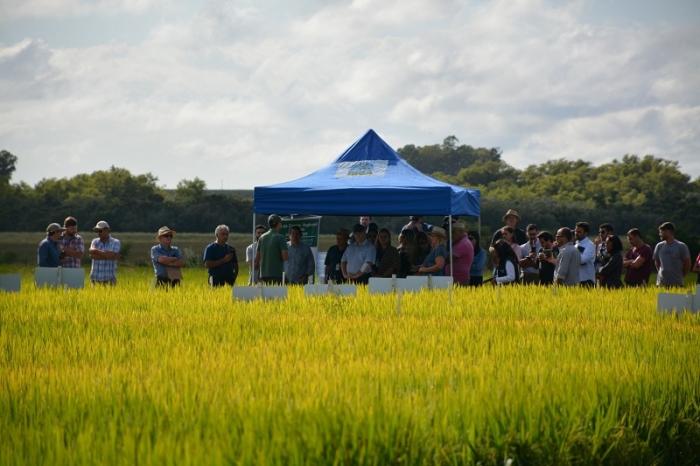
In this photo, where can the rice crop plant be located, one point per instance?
(516, 375)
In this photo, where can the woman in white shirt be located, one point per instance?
(505, 261)
(509, 237)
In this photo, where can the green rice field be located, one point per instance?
(509, 376)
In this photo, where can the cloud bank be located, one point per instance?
(250, 94)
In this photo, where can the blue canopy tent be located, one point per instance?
(369, 178)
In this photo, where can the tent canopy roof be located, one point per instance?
(369, 178)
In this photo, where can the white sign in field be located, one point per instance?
(674, 302)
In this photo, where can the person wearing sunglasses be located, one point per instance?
(167, 259)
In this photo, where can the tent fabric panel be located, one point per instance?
(355, 201)
(368, 178)
(465, 202)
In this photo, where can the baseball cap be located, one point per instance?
(52, 227)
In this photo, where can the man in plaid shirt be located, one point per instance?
(72, 244)
(104, 251)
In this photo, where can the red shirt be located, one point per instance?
(640, 275)
(462, 257)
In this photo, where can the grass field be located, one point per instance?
(133, 375)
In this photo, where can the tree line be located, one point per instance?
(633, 191)
(630, 192)
(129, 202)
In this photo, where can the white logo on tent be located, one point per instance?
(361, 168)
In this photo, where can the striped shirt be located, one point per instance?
(104, 270)
(73, 242)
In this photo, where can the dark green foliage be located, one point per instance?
(128, 202)
(631, 192)
(635, 191)
(7, 166)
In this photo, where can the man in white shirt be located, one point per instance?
(254, 273)
(586, 247)
(358, 257)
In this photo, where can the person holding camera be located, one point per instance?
(546, 258)
(530, 250)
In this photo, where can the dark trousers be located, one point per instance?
(271, 280)
(362, 279)
(476, 280)
(219, 281)
(165, 282)
(107, 283)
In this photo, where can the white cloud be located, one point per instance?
(25, 70)
(669, 132)
(13, 9)
(256, 93)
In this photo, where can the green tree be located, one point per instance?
(7, 166)
(189, 191)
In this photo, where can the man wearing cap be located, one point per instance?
(511, 219)
(49, 252)
(167, 259)
(72, 244)
(104, 251)
(220, 259)
(272, 252)
(358, 258)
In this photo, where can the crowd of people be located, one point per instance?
(570, 257)
(64, 247)
(567, 257)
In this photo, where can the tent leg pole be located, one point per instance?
(251, 272)
(452, 264)
(452, 268)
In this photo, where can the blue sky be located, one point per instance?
(243, 93)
